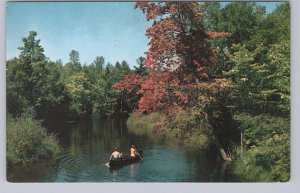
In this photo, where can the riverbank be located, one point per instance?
(155, 124)
(264, 156)
(87, 144)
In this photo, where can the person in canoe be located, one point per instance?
(115, 155)
(134, 152)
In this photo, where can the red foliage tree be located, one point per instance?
(130, 82)
(154, 92)
(179, 56)
(177, 38)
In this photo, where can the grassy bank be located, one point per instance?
(28, 141)
(144, 124)
(182, 129)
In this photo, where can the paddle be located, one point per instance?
(104, 164)
(107, 164)
(137, 153)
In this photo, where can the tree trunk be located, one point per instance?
(222, 152)
(224, 155)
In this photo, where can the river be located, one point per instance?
(87, 145)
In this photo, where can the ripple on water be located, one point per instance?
(84, 158)
(67, 167)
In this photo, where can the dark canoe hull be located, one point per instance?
(126, 160)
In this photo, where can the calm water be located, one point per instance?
(88, 144)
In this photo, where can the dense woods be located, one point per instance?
(46, 89)
(220, 77)
(40, 89)
(213, 76)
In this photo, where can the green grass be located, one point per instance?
(181, 129)
(142, 124)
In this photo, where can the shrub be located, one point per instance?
(266, 146)
(28, 141)
(245, 166)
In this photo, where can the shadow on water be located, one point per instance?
(87, 146)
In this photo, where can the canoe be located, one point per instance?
(125, 160)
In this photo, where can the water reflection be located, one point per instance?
(88, 146)
(132, 169)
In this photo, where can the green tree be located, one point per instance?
(140, 68)
(275, 27)
(260, 73)
(31, 51)
(20, 75)
(16, 102)
(48, 91)
(213, 15)
(99, 63)
(78, 89)
(125, 67)
(259, 70)
(241, 19)
(73, 66)
(74, 57)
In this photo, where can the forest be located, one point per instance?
(214, 76)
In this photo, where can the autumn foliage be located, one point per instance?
(178, 58)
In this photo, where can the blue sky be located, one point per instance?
(113, 30)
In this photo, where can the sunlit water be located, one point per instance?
(87, 146)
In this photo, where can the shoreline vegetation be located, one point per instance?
(265, 152)
(241, 103)
(209, 79)
(260, 159)
(28, 141)
(152, 124)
